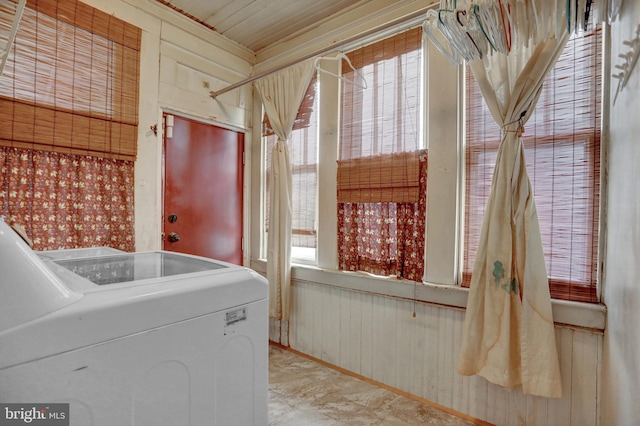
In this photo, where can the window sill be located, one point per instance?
(575, 314)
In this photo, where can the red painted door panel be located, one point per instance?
(203, 187)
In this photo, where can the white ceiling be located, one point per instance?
(257, 24)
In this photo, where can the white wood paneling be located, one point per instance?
(269, 21)
(418, 344)
(187, 77)
(191, 67)
(345, 347)
(536, 410)
(220, 74)
(354, 331)
(583, 315)
(377, 337)
(405, 345)
(366, 367)
(169, 39)
(445, 357)
(561, 408)
(315, 309)
(583, 386)
(330, 324)
(430, 361)
(478, 398)
(621, 353)
(204, 48)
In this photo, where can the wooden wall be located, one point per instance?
(181, 61)
(378, 337)
(190, 68)
(621, 291)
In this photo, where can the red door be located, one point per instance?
(203, 187)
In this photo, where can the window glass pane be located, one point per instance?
(303, 154)
(385, 117)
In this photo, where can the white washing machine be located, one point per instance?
(152, 338)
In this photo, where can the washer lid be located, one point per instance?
(77, 253)
(28, 288)
(127, 267)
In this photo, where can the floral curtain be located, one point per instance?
(68, 201)
(384, 238)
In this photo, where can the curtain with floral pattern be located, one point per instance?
(384, 238)
(68, 201)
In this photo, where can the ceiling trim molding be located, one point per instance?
(149, 15)
(337, 30)
(188, 15)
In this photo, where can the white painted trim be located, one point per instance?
(182, 112)
(328, 135)
(575, 314)
(257, 240)
(442, 122)
(604, 161)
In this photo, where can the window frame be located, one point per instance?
(381, 160)
(443, 95)
(265, 144)
(443, 92)
(556, 285)
(560, 289)
(74, 114)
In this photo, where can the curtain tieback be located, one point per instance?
(512, 128)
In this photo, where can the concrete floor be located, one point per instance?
(303, 392)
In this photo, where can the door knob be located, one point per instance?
(173, 237)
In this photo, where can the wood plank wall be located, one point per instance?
(377, 337)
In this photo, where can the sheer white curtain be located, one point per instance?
(508, 335)
(281, 93)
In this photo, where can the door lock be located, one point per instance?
(172, 218)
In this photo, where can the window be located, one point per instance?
(70, 84)
(303, 151)
(381, 166)
(562, 147)
(69, 107)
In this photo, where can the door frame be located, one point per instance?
(246, 246)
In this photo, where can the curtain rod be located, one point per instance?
(411, 16)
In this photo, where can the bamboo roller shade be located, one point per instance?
(380, 147)
(71, 82)
(385, 178)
